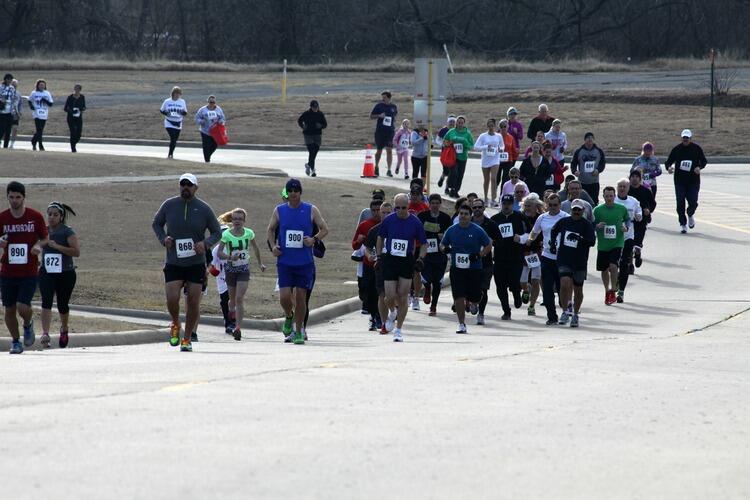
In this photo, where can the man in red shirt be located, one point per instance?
(368, 290)
(23, 233)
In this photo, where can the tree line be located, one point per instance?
(325, 31)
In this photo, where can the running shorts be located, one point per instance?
(578, 276)
(397, 267)
(17, 290)
(465, 283)
(605, 258)
(192, 274)
(384, 138)
(233, 278)
(296, 276)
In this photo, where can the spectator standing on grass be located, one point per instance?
(7, 102)
(74, 107)
(312, 122)
(542, 121)
(587, 163)
(40, 101)
(206, 117)
(17, 112)
(174, 110)
(515, 128)
(385, 113)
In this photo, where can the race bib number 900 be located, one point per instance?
(294, 239)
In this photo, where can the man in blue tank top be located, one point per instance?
(294, 255)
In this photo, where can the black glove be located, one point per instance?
(552, 248)
(164, 113)
(447, 250)
(184, 113)
(419, 265)
(473, 257)
(46, 101)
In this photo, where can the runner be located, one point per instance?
(462, 141)
(312, 122)
(75, 105)
(402, 140)
(583, 195)
(440, 142)
(506, 162)
(385, 308)
(587, 163)
(611, 220)
(550, 276)
(515, 128)
(369, 286)
(57, 273)
(40, 100)
(558, 171)
(536, 170)
(540, 139)
(649, 166)
(174, 110)
(294, 255)
(493, 231)
(435, 224)
(689, 159)
(542, 122)
(514, 180)
(187, 218)
(23, 233)
(420, 141)
(8, 94)
(395, 253)
(646, 199)
(206, 117)
(575, 192)
(218, 271)
(234, 248)
(576, 236)
(520, 192)
(491, 145)
(385, 113)
(635, 215)
(507, 268)
(531, 274)
(559, 141)
(366, 213)
(467, 244)
(417, 205)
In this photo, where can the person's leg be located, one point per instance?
(566, 289)
(535, 288)
(174, 135)
(11, 321)
(378, 154)
(300, 304)
(460, 305)
(224, 303)
(308, 294)
(624, 264)
(593, 191)
(389, 156)
(206, 144)
(233, 304)
(501, 287)
(286, 301)
(47, 292)
(399, 159)
(79, 130)
(460, 169)
(35, 137)
(313, 154)
(5, 127)
(193, 313)
(549, 279)
(605, 280)
(64, 290)
(691, 194)
(403, 287)
(486, 181)
(239, 301)
(680, 193)
(613, 271)
(72, 134)
(577, 299)
(493, 182)
(40, 135)
(173, 291)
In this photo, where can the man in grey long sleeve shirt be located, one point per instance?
(187, 219)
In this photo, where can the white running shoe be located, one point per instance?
(390, 324)
(691, 222)
(461, 328)
(392, 315)
(683, 229)
(307, 169)
(415, 303)
(397, 335)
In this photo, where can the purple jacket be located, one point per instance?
(515, 129)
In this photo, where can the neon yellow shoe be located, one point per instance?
(174, 332)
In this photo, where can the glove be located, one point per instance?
(447, 250)
(473, 257)
(214, 272)
(553, 248)
(184, 113)
(419, 265)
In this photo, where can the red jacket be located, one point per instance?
(364, 228)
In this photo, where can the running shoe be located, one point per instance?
(691, 222)
(383, 330)
(229, 329)
(433, 311)
(620, 296)
(28, 334)
(186, 346)
(389, 173)
(63, 340)
(525, 297)
(372, 327)
(377, 171)
(564, 317)
(16, 347)
(461, 328)
(415, 303)
(638, 259)
(307, 169)
(551, 322)
(389, 324)
(44, 340)
(517, 302)
(505, 317)
(289, 338)
(480, 319)
(427, 297)
(287, 327)
(397, 337)
(237, 334)
(312, 172)
(683, 229)
(473, 308)
(392, 315)
(406, 177)
(609, 297)
(378, 323)
(440, 181)
(304, 334)
(299, 338)
(574, 321)
(397, 170)
(174, 334)
(532, 311)
(194, 337)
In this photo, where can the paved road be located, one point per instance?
(645, 400)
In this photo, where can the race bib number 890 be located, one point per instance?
(18, 253)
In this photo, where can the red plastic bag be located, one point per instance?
(219, 133)
(448, 157)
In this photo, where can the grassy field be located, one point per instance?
(121, 261)
(81, 324)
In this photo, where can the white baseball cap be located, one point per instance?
(686, 133)
(189, 177)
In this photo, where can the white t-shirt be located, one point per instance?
(41, 108)
(544, 225)
(174, 110)
(221, 281)
(634, 212)
(491, 146)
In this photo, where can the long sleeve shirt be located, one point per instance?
(206, 118)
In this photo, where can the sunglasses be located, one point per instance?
(293, 190)
(186, 184)
(400, 208)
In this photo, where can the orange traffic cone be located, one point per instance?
(369, 169)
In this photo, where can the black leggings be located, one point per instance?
(224, 301)
(312, 153)
(60, 284)
(418, 167)
(457, 177)
(209, 146)
(174, 134)
(76, 130)
(39, 134)
(6, 124)
(625, 256)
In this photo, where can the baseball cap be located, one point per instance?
(293, 184)
(686, 133)
(189, 177)
(577, 204)
(378, 193)
(507, 198)
(314, 104)
(512, 111)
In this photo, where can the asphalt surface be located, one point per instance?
(647, 399)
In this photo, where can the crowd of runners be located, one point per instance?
(548, 217)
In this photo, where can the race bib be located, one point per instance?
(76, 112)
(404, 143)
(589, 166)
(550, 180)
(570, 242)
(610, 232)
(212, 115)
(175, 114)
(506, 230)
(686, 165)
(294, 239)
(185, 248)
(491, 150)
(532, 260)
(432, 245)
(398, 248)
(458, 147)
(41, 113)
(53, 263)
(646, 177)
(504, 157)
(462, 261)
(387, 121)
(18, 253)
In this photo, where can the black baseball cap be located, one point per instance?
(507, 198)
(314, 104)
(293, 184)
(378, 193)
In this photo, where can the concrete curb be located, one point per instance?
(101, 339)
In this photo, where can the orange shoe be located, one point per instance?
(174, 334)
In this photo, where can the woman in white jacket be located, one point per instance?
(40, 100)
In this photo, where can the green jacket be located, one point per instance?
(464, 138)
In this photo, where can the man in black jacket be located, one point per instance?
(686, 162)
(508, 254)
(312, 122)
(648, 204)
